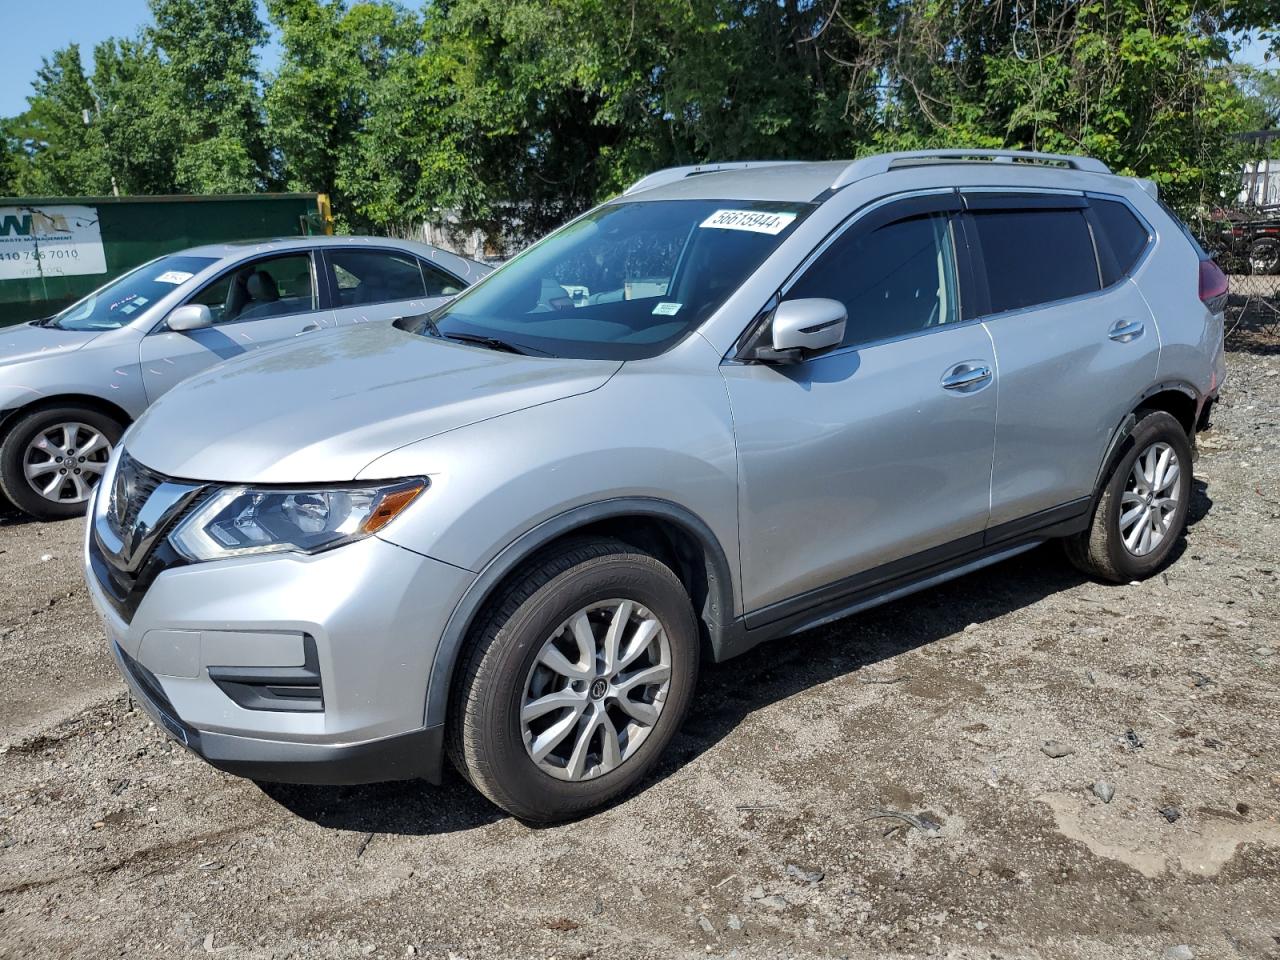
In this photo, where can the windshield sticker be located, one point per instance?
(174, 276)
(667, 309)
(753, 221)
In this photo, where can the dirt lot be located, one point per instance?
(754, 840)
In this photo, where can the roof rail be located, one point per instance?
(884, 162)
(672, 174)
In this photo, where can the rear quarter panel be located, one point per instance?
(1191, 337)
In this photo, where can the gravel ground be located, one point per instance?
(756, 838)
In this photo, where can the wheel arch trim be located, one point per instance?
(48, 400)
(720, 586)
(1130, 420)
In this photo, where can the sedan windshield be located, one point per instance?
(624, 282)
(120, 301)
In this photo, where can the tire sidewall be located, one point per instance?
(1154, 428)
(13, 482)
(638, 578)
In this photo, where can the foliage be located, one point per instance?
(209, 50)
(513, 115)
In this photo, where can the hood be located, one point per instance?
(321, 408)
(26, 342)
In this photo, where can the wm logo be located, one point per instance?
(11, 225)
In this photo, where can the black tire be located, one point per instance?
(13, 449)
(1264, 257)
(1100, 551)
(484, 737)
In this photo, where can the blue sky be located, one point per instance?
(44, 25)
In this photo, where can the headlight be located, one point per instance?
(240, 521)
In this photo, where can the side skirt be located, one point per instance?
(901, 578)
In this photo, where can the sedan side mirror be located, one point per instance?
(802, 328)
(190, 316)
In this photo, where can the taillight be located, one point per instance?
(1213, 286)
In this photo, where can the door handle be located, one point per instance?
(309, 328)
(966, 376)
(1122, 331)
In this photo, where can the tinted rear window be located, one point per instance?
(1121, 238)
(1035, 256)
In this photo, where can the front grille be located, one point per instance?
(130, 489)
(125, 579)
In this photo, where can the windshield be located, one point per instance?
(624, 282)
(120, 301)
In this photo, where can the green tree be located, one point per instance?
(9, 159)
(62, 152)
(136, 117)
(1145, 87)
(209, 50)
(334, 60)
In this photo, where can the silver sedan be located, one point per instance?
(70, 384)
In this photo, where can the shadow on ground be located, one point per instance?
(729, 692)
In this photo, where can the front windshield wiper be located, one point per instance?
(493, 343)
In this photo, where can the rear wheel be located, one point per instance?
(1142, 510)
(51, 459)
(576, 681)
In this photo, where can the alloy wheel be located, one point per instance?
(1150, 499)
(596, 690)
(64, 461)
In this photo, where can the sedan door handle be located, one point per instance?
(1122, 331)
(966, 376)
(309, 328)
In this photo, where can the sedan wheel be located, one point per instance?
(64, 461)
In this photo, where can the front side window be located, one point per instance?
(272, 287)
(894, 280)
(365, 277)
(624, 282)
(122, 301)
(1035, 256)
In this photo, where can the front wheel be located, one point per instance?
(51, 459)
(1142, 510)
(575, 683)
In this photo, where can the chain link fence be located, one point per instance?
(1246, 244)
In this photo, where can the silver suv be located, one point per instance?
(734, 403)
(71, 383)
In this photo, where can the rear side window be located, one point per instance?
(374, 276)
(1121, 238)
(1035, 256)
(894, 280)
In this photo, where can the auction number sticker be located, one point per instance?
(174, 276)
(753, 221)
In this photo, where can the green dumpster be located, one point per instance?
(54, 250)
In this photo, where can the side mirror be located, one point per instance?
(802, 328)
(190, 316)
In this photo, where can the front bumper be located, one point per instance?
(368, 616)
(407, 756)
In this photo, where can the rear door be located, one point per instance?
(373, 284)
(1075, 347)
(255, 303)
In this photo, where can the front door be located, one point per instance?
(259, 302)
(881, 450)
